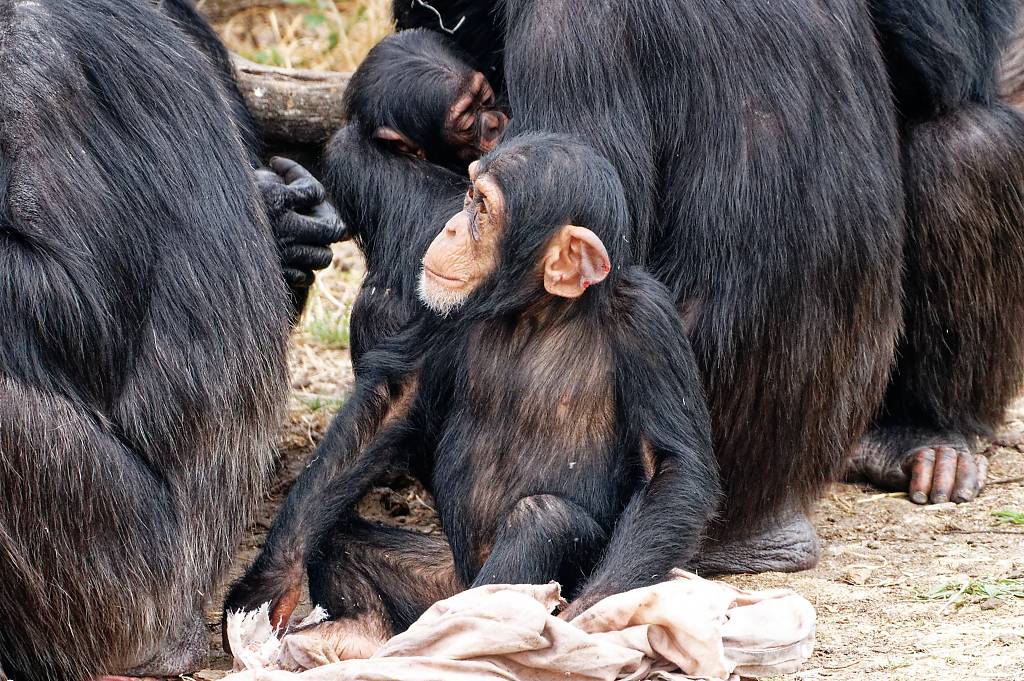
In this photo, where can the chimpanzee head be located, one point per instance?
(545, 216)
(416, 94)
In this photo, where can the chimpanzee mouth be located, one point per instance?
(443, 279)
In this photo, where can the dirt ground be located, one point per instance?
(882, 556)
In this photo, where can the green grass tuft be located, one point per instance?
(961, 592)
(330, 330)
(1009, 516)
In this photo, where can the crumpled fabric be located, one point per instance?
(684, 628)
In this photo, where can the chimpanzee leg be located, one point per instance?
(544, 538)
(961, 360)
(374, 581)
(788, 543)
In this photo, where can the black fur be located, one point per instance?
(192, 23)
(479, 34)
(758, 147)
(142, 363)
(409, 82)
(571, 433)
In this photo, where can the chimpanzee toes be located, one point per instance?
(943, 473)
(933, 467)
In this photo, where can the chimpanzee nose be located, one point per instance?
(492, 126)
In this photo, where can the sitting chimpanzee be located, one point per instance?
(142, 362)
(762, 158)
(550, 400)
(418, 116)
(960, 360)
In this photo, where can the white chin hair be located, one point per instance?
(439, 299)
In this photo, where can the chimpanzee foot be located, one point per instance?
(788, 545)
(332, 641)
(931, 467)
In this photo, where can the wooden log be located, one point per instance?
(293, 107)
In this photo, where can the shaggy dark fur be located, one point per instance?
(562, 438)
(142, 362)
(393, 206)
(961, 358)
(478, 32)
(758, 149)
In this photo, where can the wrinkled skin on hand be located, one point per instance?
(304, 224)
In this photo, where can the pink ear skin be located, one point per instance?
(575, 260)
(399, 142)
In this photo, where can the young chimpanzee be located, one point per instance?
(419, 115)
(550, 401)
(416, 93)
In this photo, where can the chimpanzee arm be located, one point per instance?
(367, 437)
(304, 224)
(660, 396)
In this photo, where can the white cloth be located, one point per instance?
(685, 628)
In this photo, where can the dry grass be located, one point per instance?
(323, 35)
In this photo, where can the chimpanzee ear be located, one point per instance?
(396, 141)
(575, 259)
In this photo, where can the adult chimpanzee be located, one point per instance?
(418, 115)
(142, 363)
(557, 416)
(416, 93)
(759, 152)
(961, 358)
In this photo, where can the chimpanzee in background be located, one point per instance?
(551, 402)
(418, 116)
(415, 92)
(758, 150)
(473, 25)
(142, 363)
(961, 357)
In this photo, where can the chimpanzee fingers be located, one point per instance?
(944, 476)
(268, 176)
(282, 607)
(297, 278)
(319, 229)
(971, 473)
(921, 475)
(304, 190)
(289, 170)
(307, 256)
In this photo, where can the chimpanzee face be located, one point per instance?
(466, 250)
(475, 125)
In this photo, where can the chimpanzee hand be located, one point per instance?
(304, 224)
(281, 587)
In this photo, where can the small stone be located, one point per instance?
(990, 604)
